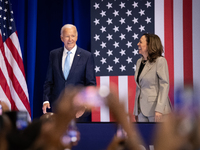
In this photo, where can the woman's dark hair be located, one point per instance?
(155, 48)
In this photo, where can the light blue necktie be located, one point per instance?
(67, 65)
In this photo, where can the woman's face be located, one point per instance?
(142, 47)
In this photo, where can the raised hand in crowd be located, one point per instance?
(55, 125)
(177, 133)
(132, 140)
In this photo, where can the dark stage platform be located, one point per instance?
(97, 136)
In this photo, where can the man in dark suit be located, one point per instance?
(76, 70)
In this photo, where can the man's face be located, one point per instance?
(69, 37)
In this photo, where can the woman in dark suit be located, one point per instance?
(152, 79)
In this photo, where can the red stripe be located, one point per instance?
(114, 85)
(6, 90)
(16, 84)
(98, 81)
(15, 54)
(169, 44)
(187, 42)
(96, 111)
(131, 95)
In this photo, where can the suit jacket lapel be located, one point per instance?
(77, 56)
(60, 55)
(146, 68)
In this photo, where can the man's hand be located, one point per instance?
(158, 116)
(45, 106)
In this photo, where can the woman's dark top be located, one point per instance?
(143, 62)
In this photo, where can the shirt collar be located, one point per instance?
(73, 49)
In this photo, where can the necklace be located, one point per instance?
(144, 61)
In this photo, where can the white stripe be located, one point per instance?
(3, 68)
(104, 110)
(15, 41)
(16, 70)
(4, 98)
(16, 99)
(123, 90)
(159, 19)
(178, 45)
(196, 40)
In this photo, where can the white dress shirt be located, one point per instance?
(73, 51)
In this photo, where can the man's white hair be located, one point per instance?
(68, 26)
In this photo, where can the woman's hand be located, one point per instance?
(158, 116)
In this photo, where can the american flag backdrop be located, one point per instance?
(116, 27)
(13, 88)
